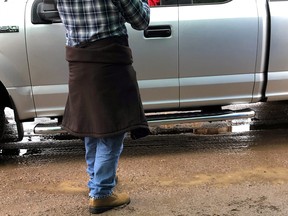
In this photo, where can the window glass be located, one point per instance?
(207, 1)
(153, 3)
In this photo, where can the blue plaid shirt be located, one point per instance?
(98, 19)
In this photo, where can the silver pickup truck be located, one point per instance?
(195, 57)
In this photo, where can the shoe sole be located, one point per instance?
(100, 210)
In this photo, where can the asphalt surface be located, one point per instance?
(178, 171)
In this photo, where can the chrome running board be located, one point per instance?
(167, 118)
(189, 117)
(48, 128)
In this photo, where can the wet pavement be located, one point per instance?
(175, 172)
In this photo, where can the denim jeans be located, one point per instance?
(102, 155)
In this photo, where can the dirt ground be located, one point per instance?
(184, 174)
(171, 175)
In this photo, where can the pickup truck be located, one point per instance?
(196, 57)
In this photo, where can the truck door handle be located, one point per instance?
(45, 12)
(158, 31)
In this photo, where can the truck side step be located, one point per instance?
(48, 128)
(167, 118)
(186, 117)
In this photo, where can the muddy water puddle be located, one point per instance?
(64, 174)
(236, 174)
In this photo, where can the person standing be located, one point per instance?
(104, 102)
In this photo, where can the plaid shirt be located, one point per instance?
(98, 19)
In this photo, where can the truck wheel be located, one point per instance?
(2, 122)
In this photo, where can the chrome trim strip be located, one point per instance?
(222, 79)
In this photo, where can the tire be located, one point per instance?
(2, 122)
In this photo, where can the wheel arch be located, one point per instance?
(7, 101)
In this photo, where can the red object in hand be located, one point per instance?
(153, 2)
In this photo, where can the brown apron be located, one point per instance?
(104, 97)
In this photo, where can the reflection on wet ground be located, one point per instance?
(267, 130)
(240, 149)
(236, 142)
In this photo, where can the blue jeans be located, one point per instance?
(102, 155)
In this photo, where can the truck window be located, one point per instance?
(208, 1)
(155, 3)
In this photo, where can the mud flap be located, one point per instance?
(19, 125)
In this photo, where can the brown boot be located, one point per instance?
(97, 206)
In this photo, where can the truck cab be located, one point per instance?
(195, 55)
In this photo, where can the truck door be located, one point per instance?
(46, 56)
(155, 58)
(278, 64)
(217, 51)
(155, 54)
